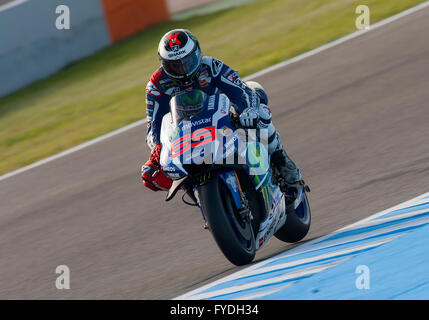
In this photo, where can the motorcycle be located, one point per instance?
(225, 171)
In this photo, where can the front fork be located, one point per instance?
(231, 180)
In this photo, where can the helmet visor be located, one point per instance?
(183, 67)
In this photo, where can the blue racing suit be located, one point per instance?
(214, 74)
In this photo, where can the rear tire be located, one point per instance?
(234, 237)
(297, 223)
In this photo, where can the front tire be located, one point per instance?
(234, 236)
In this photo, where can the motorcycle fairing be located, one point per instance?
(260, 174)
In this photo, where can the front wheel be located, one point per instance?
(233, 234)
(297, 223)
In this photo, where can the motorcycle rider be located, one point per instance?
(183, 67)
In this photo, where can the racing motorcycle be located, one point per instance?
(225, 171)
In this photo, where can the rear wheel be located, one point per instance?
(233, 234)
(297, 223)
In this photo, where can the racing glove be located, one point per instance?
(249, 118)
(152, 175)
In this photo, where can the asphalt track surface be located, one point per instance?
(354, 117)
(2, 2)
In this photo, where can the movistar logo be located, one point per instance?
(187, 125)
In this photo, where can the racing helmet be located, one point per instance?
(180, 56)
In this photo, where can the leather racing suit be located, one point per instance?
(214, 75)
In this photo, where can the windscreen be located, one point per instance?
(187, 105)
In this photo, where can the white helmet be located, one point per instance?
(180, 55)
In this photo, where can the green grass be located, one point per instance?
(106, 91)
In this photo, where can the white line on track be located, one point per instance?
(341, 40)
(328, 255)
(279, 279)
(74, 149)
(263, 293)
(11, 4)
(255, 75)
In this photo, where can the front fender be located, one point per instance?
(228, 177)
